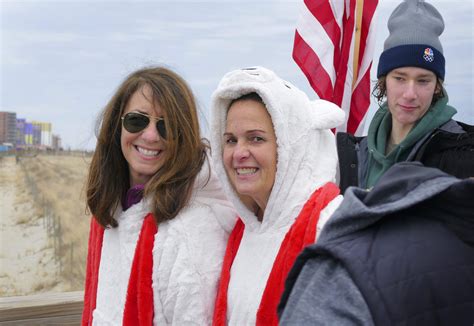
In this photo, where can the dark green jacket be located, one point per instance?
(449, 147)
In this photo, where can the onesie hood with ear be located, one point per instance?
(306, 147)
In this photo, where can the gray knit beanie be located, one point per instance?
(415, 27)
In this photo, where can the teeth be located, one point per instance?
(245, 171)
(147, 152)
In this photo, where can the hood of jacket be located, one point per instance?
(306, 147)
(405, 185)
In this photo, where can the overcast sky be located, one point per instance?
(62, 60)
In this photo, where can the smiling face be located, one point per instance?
(250, 150)
(144, 150)
(410, 92)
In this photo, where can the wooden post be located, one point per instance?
(72, 260)
(358, 12)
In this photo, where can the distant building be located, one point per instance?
(23, 134)
(36, 134)
(8, 127)
(20, 133)
(57, 143)
(28, 134)
(42, 135)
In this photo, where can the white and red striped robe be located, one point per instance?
(143, 274)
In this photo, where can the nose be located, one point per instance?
(150, 133)
(410, 91)
(241, 151)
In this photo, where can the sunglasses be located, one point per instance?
(135, 122)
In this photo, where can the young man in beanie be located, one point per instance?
(414, 123)
(403, 252)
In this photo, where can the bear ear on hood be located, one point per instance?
(239, 78)
(326, 115)
(276, 94)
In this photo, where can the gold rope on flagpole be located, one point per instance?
(358, 12)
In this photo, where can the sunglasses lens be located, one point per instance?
(160, 126)
(134, 122)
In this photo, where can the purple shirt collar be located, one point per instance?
(133, 196)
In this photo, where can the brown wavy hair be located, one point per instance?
(170, 188)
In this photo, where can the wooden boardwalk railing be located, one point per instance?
(42, 309)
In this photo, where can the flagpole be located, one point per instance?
(358, 26)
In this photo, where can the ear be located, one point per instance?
(439, 86)
(327, 115)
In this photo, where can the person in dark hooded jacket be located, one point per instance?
(399, 254)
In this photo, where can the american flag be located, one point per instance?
(334, 42)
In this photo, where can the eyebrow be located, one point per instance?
(426, 76)
(247, 132)
(148, 114)
(417, 76)
(139, 111)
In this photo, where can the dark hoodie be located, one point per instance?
(404, 251)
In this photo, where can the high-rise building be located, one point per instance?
(43, 135)
(28, 134)
(36, 134)
(8, 127)
(20, 133)
(57, 142)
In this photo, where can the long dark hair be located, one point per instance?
(170, 188)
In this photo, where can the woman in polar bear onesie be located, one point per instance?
(276, 157)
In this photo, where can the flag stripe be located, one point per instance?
(314, 71)
(360, 99)
(324, 15)
(346, 92)
(318, 41)
(368, 16)
(324, 50)
(367, 41)
(345, 63)
(360, 102)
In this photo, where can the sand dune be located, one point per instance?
(44, 225)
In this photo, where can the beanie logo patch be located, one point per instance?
(428, 55)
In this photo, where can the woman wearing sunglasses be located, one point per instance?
(160, 220)
(276, 156)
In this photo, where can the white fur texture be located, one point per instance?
(307, 159)
(187, 258)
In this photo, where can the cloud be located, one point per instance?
(31, 37)
(61, 61)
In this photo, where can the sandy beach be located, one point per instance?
(43, 225)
